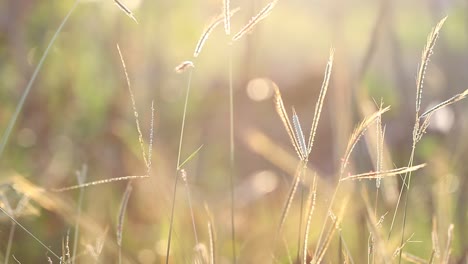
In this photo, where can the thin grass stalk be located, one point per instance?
(255, 20)
(445, 103)
(67, 247)
(336, 221)
(373, 226)
(94, 183)
(299, 135)
(427, 52)
(227, 17)
(358, 132)
(182, 129)
(19, 107)
(232, 153)
(121, 217)
(17, 261)
(81, 177)
(126, 10)
(279, 106)
(448, 249)
(212, 242)
(292, 191)
(408, 175)
(183, 174)
(10, 241)
(288, 251)
(354, 138)
(301, 209)
(399, 198)
(435, 237)
(327, 242)
(320, 100)
(135, 112)
(169, 236)
(209, 29)
(311, 208)
(29, 233)
(431, 258)
(381, 174)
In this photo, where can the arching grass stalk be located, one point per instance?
(19, 107)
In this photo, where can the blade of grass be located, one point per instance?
(190, 157)
(19, 107)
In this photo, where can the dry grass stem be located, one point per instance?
(299, 135)
(382, 174)
(327, 241)
(209, 29)
(413, 259)
(398, 250)
(358, 132)
(427, 52)
(126, 10)
(183, 66)
(320, 100)
(297, 179)
(183, 175)
(122, 210)
(135, 112)
(254, 20)
(448, 247)
(279, 106)
(227, 17)
(435, 237)
(124, 178)
(212, 242)
(311, 206)
(29, 233)
(445, 103)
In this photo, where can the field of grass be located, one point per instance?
(137, 131)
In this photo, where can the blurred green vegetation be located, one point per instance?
(79, 112)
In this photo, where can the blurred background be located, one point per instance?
(79, 112)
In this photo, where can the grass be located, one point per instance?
(256, 218)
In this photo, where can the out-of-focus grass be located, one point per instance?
(79, 111)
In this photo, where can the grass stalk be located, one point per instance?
(10, 241)
(81, 177)
(30, 234)
(231, 154)
(19, 107)
(179, 152)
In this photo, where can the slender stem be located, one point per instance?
(406, 202)
(81, 177)
(29, 233)
(189, 84)
(172, 220)
(19, 107)
(300, 219)
(10, 241)
(77, 225)
(231, 147)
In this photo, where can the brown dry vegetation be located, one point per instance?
(233, 131)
